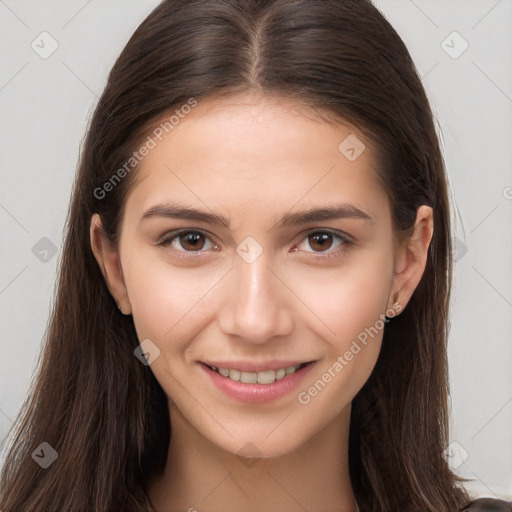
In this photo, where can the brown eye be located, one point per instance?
(192, 241)
(187, 241)
(320, 241)
(325, 242)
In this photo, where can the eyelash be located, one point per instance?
(168, 238)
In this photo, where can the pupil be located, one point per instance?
(192, 239)
(323, 239)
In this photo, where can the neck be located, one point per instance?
(202, 476)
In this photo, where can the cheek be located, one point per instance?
(349, 303)
(167, 300)
(169, 308)
(344, 301)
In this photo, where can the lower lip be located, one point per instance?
(257, 393)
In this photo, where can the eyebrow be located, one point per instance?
(336, 211)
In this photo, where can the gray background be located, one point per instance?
(45, 104)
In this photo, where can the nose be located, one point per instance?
(257, 307)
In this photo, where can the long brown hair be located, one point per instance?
(102, 411)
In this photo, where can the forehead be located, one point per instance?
(246, 150)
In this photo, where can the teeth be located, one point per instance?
(264, 377)
(234, 375)
(248, 377)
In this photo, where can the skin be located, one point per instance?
(253, 159)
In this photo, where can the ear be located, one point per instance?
(411, 257)
(109, 262)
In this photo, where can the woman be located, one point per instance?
(253, 296)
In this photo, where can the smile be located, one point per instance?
(262, 377)
(256, 383)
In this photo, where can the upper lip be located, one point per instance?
(255, 366)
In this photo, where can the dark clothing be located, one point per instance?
(489, 505)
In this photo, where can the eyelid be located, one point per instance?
(346, 240)
(167, 239)
(335, 232)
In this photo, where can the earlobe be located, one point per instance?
(412, 256)
(109, 263)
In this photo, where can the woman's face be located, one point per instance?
(253, 242)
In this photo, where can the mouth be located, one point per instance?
(256, 383)
(265, 377)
